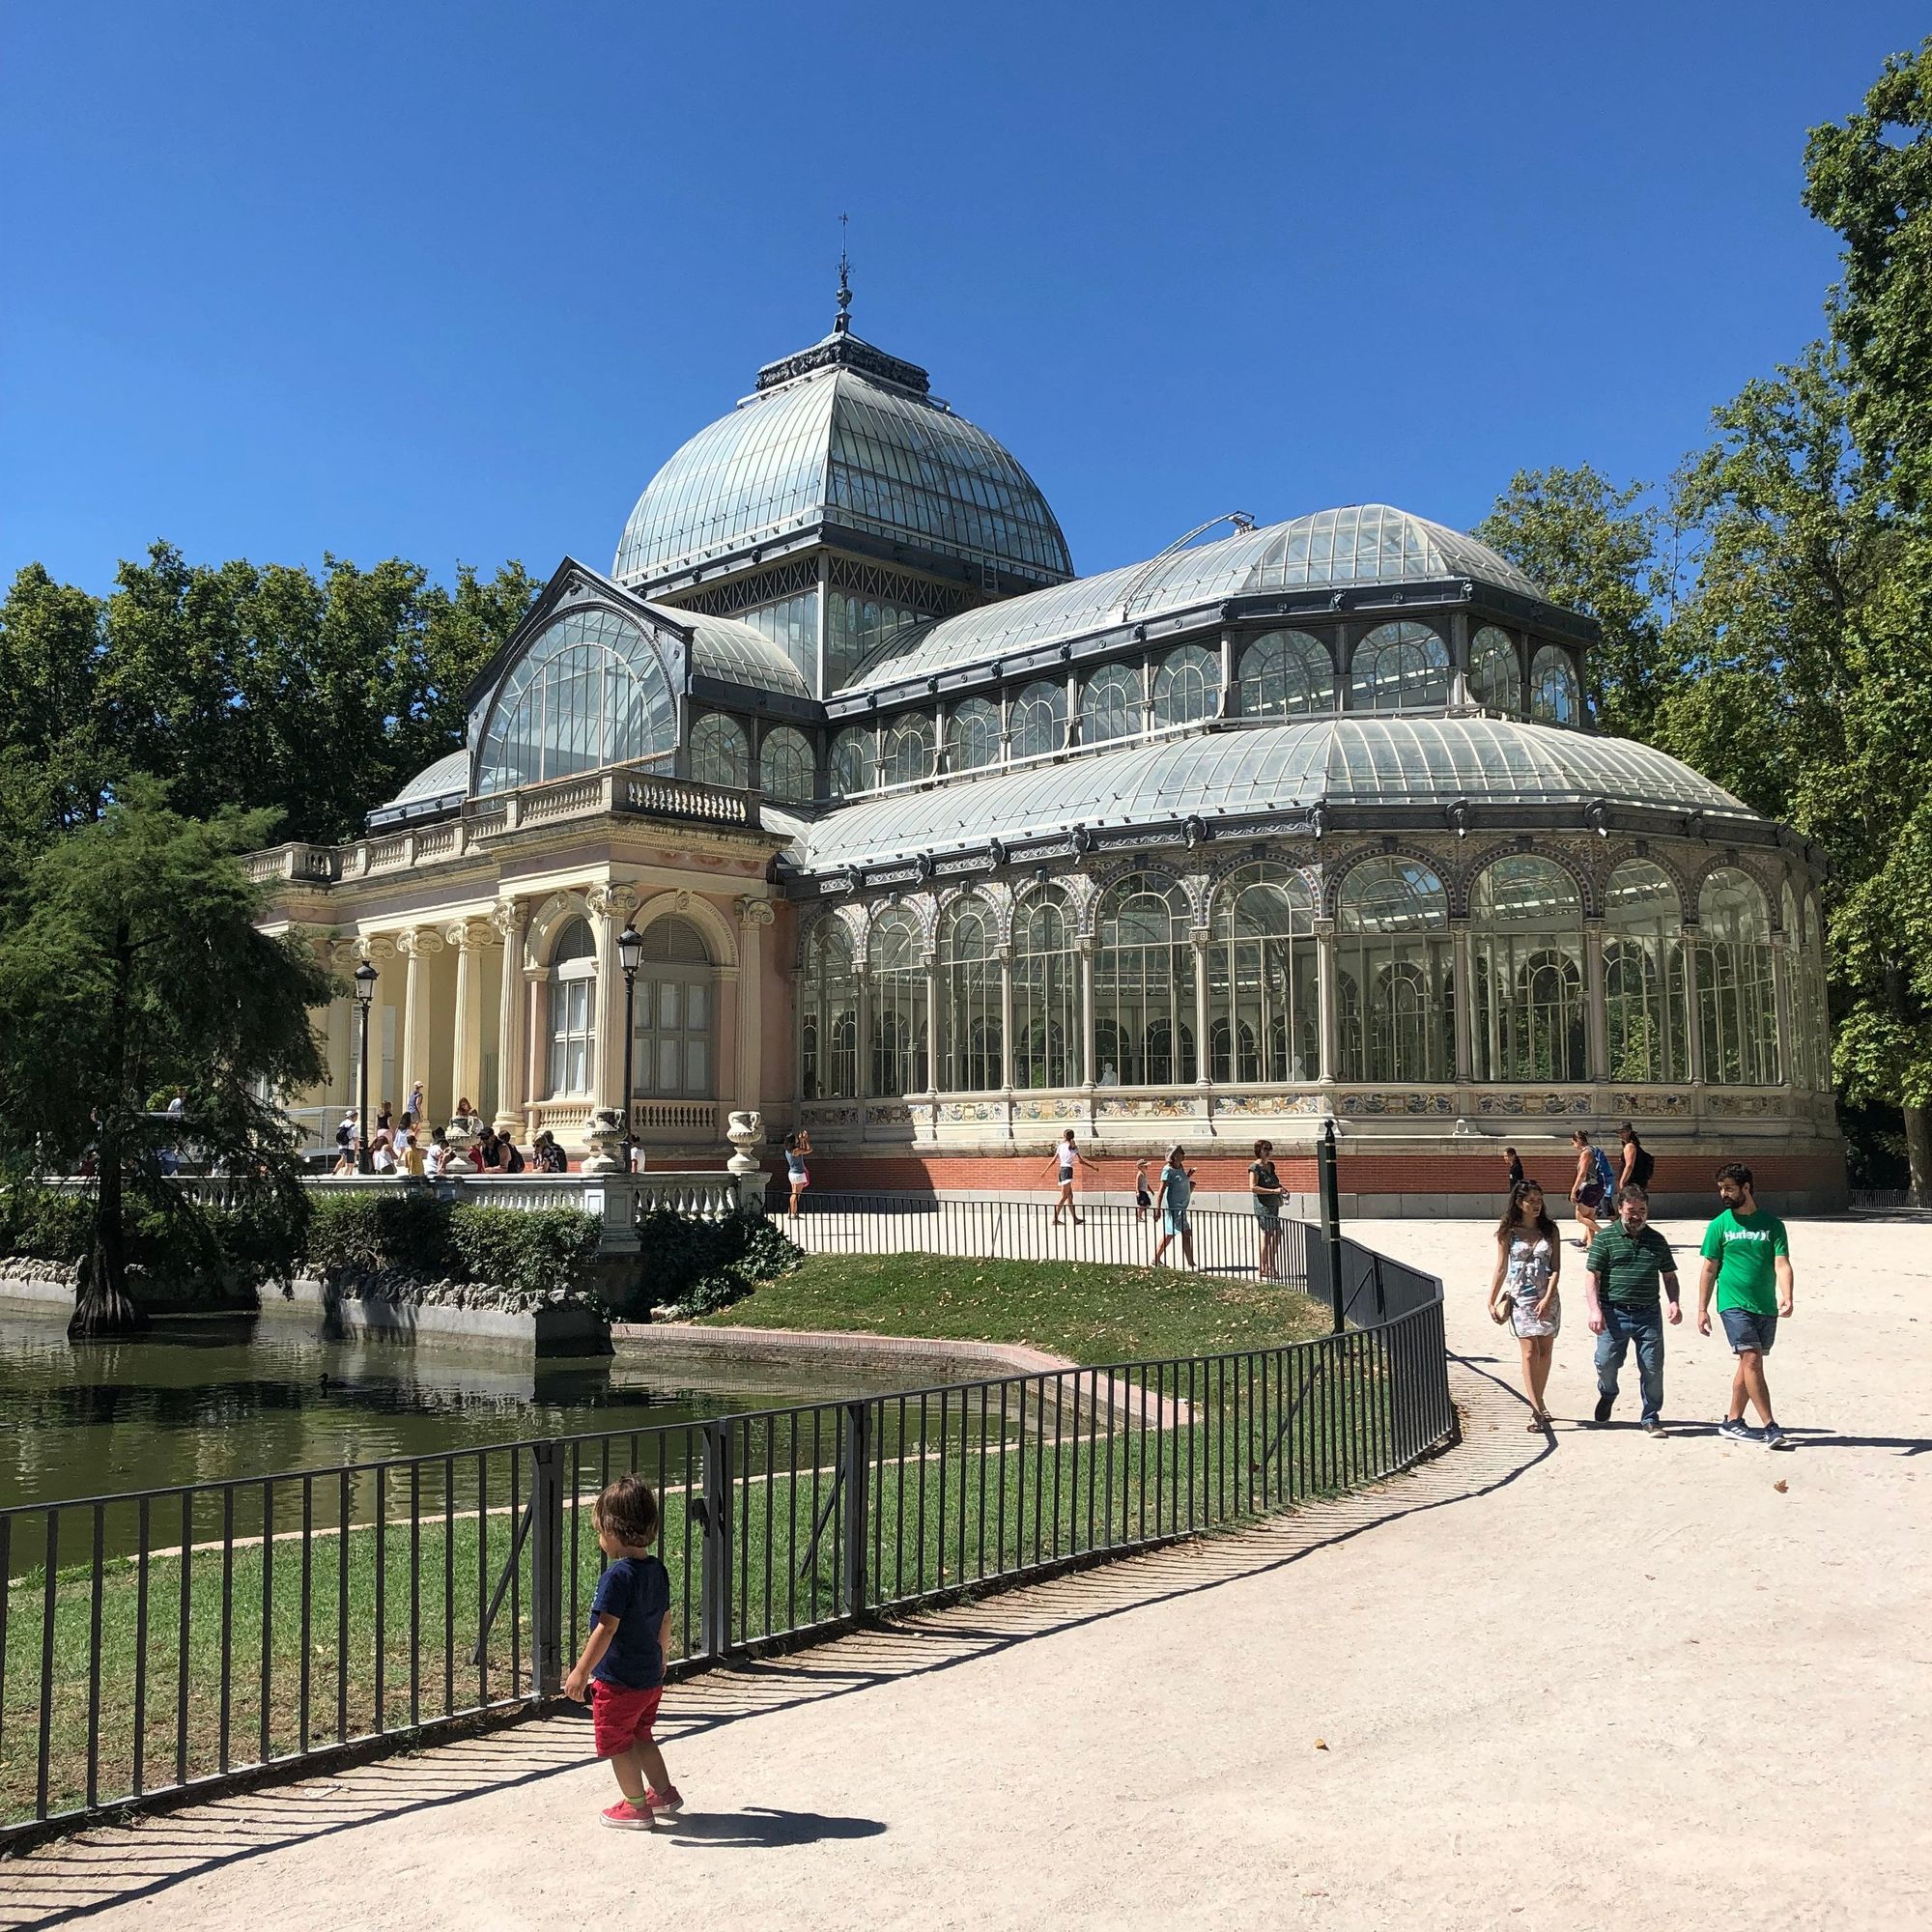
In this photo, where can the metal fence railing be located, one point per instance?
(180, 1641)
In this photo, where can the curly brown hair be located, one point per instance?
(628, 1510)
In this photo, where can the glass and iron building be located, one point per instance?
(939, 849)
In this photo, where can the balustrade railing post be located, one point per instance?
(547, 1637)
(855, 1455)
(715, 1551)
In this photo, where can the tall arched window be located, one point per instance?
(1187, 686)
(1644, 1020)
(899, 1005)
(1046, 994)
(1039, 719)
(1737, 988)
(1143, 984)
(969, 975)
(588, 691)
(1110, 705)
(673, 1011)
(719, 752)
(1399, 668)
(1285, 673)
(1817, 996)
(1264, 982)
(572, 1010)
(905, 750)
(1496, 682)
(784, 765)
(1394, 973)
(1796, 991)
(853, 767)
(1527, 972)
(1553, 696)
(972, 735)
(828, 1016)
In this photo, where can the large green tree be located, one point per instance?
(130, 964)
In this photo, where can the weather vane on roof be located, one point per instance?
(844, 321)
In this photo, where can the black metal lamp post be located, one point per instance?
(366, 991)
(1331, 1216)
(630, 954)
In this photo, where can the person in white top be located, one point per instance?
(1063, 1157)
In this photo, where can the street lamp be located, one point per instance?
(630, 956)
(366, 991)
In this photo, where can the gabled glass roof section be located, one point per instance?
(1368, 544)
(722, 647)
(1260, 769)
(850, 438)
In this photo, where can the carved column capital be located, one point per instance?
(755, 912)
(419, 942)
(615, 902)
(509, 917)
(469, 936)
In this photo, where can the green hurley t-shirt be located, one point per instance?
(1628, 1266)
(1746, 1248)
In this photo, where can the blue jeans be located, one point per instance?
(1623, 1326)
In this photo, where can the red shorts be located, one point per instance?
(621, 1718)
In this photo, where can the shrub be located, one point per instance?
(501, 1247)
(693, 1266)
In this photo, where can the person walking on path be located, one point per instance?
(1142, 1194)
(1592, 1183)
(622, 1670)
(1620, 1278)
(1265, 1185)
(1063, 1159)
(1748, 1260)
(1637, 1163)
(1515, 1160)
(1176, 1191)
(1529, 1259)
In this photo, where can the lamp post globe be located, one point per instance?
(630, 956)
(363, 981)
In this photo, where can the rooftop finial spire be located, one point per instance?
(844, 321)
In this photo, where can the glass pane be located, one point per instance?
(668, 1067)
(668, 1004)
(697, 1066)
(697, 1007)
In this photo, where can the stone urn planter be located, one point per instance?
(746, 1131)
(607, 1142)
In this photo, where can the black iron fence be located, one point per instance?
(179, 1640)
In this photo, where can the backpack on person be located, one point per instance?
(1606, 1178)
(513, 1158)
(1643, 1167)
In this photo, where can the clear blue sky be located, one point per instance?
(449, 281)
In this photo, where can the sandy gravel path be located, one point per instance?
(1603, 1682)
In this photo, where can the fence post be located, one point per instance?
(546, 1637)
(855, 1458)
(1331, 1217)
(714, 1550)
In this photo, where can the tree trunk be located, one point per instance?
(1918, 1153)
(101, 1304)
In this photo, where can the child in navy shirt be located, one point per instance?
(624, 1665)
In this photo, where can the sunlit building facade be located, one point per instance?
(938, 849)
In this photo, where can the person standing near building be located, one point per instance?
(1637, 1163)
(1747, 1260)
(1515, 1160)
(1265, 1185)
(1064, 1156)
(1620, 1279)
(1176, 1191)
(1591, 1183)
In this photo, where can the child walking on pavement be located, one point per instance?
(622, 1668)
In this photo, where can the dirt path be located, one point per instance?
(1601, 1682)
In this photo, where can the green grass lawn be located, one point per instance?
(1091, 1312)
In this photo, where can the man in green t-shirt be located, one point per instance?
(1625, 1263)
(1747, 1260)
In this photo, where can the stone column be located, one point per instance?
(1693, 1017)
(611, 906)
(468, 937)
(1006, 954)
(1085, 945)
(414, 946)
(1465, 1000)
(1326, 1005)
(1204, 1062)
(755, 915)
(537, 1017)
(508, 916)
(1596, 1029)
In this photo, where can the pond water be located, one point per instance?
(210, 1398)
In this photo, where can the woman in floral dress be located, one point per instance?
(1529, 1258)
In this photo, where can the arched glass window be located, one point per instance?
(1263, 983)
(1817, 996)
(1798, 1036)
(828, 1016)
(673, 1012)
(853, 769)
(719, 752)
(1395, 975)
(1553, 696)
(572, 1010)
(1110, 705)
(972, 735)
(1046, 994)
(1495, 681)
(1399, 668)
(588, 691)
(1187, 686)
(1527, 972)
(969, 974)
(1285, 673)
(898, 1006)
(784, 765)
(905, 750)
(1039, 721)
(1143, 984)
(1644, 1020)
(1737, 988)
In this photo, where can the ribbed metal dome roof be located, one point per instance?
(1257, 769)
(841, 433)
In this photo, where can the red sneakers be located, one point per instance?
(664, 1800)
(624, 1816)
